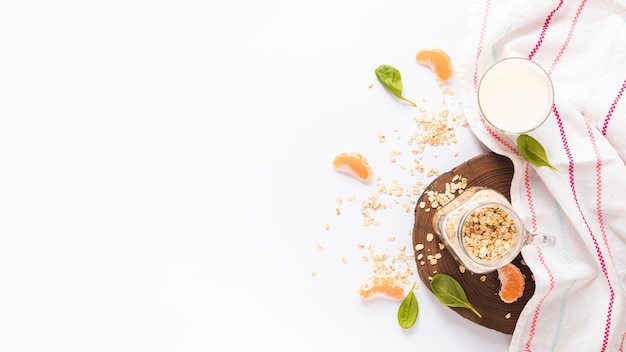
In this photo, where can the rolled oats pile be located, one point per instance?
(489, 233)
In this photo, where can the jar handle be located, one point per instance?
(540, 239)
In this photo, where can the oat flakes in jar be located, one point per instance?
(482, 230)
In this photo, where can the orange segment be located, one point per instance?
(437, 60)
(511, 283)
(381, 286)
(354, 164)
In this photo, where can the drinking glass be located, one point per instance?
(515, 95)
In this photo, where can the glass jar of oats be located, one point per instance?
(482, 230)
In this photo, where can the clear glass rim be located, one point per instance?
(539, 69)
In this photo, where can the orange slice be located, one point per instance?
(354, 164)
(381, 286)
(511, 283)
(437, 60)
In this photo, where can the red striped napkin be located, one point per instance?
(580, 297)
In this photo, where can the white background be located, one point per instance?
(165, 173)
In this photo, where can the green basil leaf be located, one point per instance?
(533, 151)
(407, 313)
(390, 78)
(450, 293)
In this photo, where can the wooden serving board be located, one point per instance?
(489, 170)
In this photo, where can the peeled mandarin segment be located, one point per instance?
(511, 283)
(381, 286)
(354, 164)
(437, 60)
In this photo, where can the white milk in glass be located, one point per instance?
(515, 95)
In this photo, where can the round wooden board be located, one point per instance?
(489, 170)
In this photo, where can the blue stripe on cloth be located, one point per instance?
(563, 240)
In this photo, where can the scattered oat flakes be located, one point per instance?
(395, 267)
(320, 248)
(429, 237)
(448, 91)
(314, 274)
(462, 268)
(439, 199)
(432, 171)
(433, 128)
(508, 316)
(483, 278)
(381, 136)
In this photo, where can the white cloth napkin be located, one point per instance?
(579, 302)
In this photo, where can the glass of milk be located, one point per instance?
(515, 95)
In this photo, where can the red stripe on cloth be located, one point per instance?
(569, 36)
(481, 40)
(543, 31)
(607, 326)
(533, 324)
(529, 196)
(479, 51)
(612, 109)
(496, 136)
(533, 220)
(596, 152)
